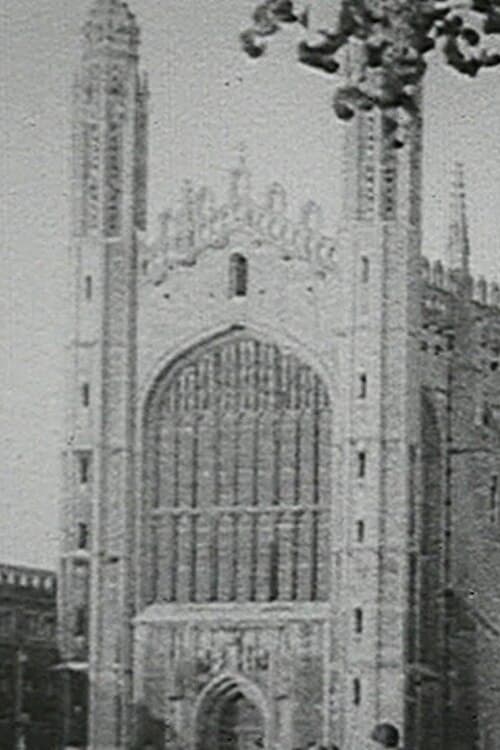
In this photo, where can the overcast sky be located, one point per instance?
(207, 99)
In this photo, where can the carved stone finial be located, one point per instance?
(112, 23)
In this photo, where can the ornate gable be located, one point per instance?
(199, 225)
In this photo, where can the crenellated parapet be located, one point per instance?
(451, 281)
(28, 579)
(199, 226)
(445, 292)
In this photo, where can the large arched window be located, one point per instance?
(237, 477)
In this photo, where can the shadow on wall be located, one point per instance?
(150, 732)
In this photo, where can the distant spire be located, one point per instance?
(458, 234)
(111, 22)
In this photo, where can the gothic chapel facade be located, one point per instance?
(281, 522)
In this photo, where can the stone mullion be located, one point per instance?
(316, 492)
(206, 429)
(325, 559)
(175, 503)
(255, 501)
(244, 486)
(165, 450)
(235, 534)
(304, 561)
(214, 564)
(184, 558)
(265, 539)
(225, 551)
(244, 583)
(266, 468)
(306, 499)
(285, 541)
(296, 502)
(194, 503)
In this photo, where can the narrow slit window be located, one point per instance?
(83, 536)
(494, 499)
(80, 622)
(86, 395)
(273, 571)
(365, 269)
(88, 288)
(361, 464)
(363, 385)
(358, 620)
(356, 691)
(238, 275)
(360, 531)
(84, 469)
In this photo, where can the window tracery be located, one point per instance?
(238, 442)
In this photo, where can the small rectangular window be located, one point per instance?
(494, 499)
(83, 535)
(360, 531)
(363, 385)
(88, 287)
(238, 275)
(358, 620)
(80, 622)
(361, 464)
(365, 269)
(85, 395)
(84, 469)
(356, 691)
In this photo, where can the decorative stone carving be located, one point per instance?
(112, 23)
(199, 226)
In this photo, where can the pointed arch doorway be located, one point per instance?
(230, 719)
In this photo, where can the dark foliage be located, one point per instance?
(394, 38)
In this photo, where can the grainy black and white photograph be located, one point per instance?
(249, 375)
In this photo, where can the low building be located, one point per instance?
(28, 654)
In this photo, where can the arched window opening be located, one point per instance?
(238, 275)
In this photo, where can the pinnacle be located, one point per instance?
(112, 21)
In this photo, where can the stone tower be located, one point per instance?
(109, 212)
(379, 250)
